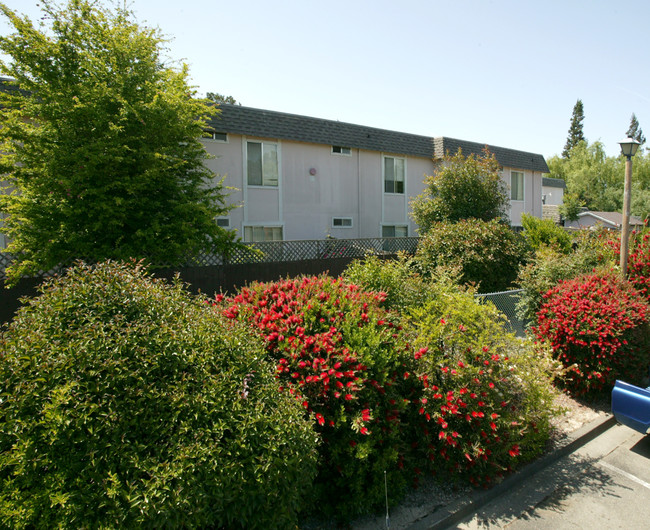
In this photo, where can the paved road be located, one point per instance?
(604, 484)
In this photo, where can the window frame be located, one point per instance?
(520, 189)
(395, 227)
(343, 219)
(343, 151)
(393, 182)
(252, 228)
(264, 178)
(212, 136)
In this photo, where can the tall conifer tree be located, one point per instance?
(576, 134)
(635, 130)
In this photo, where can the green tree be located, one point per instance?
(102, 144)
(220, 98)
(635, 131)
(576, 134)
(462, 188)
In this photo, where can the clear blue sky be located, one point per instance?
(501, 72)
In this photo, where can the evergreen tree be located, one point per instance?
(576, 134)
(109, 163)
(635, 131)
(220, 98)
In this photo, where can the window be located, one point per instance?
(338, 150)
(394, 231)
(342, 222)
(262, 233)
(393, 175)
(218, 136)
(262, 163)
(223, 222)
(517, 185)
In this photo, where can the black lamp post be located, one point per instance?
(628, 148)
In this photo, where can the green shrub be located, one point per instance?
(598, 327)
(487, 253)
(128, 403)
(397, 278)
(345, 358)
(593, 251)
(544, 232)
(488, 396)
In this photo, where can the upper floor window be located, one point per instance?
(394, 173)
(262, 164)
(517, 185)
(339, 150)
(341, 222)
(218, 136)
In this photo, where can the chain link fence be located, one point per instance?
(506, 302)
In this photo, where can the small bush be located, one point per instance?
(597, 326)
(544, 232)
(345, 359)
(127, 403)
(403, 286)
(593, 251)
(487, 254)
(488, 396)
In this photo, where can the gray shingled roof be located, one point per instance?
(506, 157)
(237, 119)
(553, 183)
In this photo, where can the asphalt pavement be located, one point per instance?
(603, 483)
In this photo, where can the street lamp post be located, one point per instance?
(628, 148)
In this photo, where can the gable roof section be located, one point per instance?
(249, 121)
(553, 182)
(506, 157)
(612, 218)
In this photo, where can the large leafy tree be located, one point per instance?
(462, 188)
(576, 133)
(635, 131)
(100, 143)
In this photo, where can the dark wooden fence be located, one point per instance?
(267, 261)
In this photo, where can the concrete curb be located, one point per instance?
(451, 515)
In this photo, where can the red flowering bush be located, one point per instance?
(345, 359)
(597, 326)
(638, 268)
(488, 396)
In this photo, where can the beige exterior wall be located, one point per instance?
(532, 203)
(553, 196)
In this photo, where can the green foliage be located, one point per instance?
(345, 358)
(485, 253)
(220, 98)
(102, 144)
(488, 395)
(398, 278)
(597, 326)
(127, 403)
(544, 232)
(462, 188)
(593, 250)
(571, 206)
(576, 134)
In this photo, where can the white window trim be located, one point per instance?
(245, 175)
(351, 225)
(523, 185)
(262, 225)
(383, 174)
(216, 140)
(396, 225)
(349, 153)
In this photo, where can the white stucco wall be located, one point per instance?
(553, 196)
(316, 185)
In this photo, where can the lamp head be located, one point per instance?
(629, 146)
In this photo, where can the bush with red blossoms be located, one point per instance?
(345, 358)
(488, 398)
(597, 326)
(638, 267)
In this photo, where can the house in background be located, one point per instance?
(552, 198)
(611, 220)
(298, 177)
